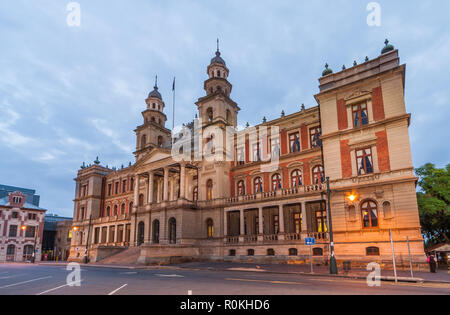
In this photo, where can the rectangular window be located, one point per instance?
(360, 115)
(13, 231)
(298, 223)
(256, 152)
(294, 142)
(275, 147)
(112, 234)
(109, 189)
(116, 188)
(132, 184)
(314, 134)
(240, 156)
(84, 190)
(97, 235)
(104, 234)
(29, 232)
(364, 161)
(124, 186)
(15, 215)
(276, 224)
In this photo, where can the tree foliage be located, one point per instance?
(434, 203)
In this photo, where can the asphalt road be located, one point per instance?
(19, 279)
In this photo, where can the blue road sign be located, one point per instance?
(310, 241)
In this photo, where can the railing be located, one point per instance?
(318, 235)
(278, 193)
(250, 239)
(233, 239)
(271, 237)
(293, 237)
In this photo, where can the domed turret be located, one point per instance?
(155, 93)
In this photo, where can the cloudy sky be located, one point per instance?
(68, 94)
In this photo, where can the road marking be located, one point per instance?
(265, 281)
(117, 290)
(169, 276)
(57, 288)
(24, 282)
(129, 273)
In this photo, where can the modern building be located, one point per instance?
(21, 224)
(257, 194)
(57, 233)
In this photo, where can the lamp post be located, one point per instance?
(87, 241)
(333, 264)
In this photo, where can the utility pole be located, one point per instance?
(87, 241)
(333, 264)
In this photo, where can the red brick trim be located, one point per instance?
(346, 162)
(377, 104)
(384, 163)
(342, 115)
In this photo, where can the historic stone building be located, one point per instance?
(261, 204)
(21, 224)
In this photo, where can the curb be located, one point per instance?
(351, 277)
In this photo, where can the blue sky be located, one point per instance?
(68, 94)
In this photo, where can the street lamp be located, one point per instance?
(333, 264)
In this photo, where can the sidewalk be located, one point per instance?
(388, 275)
(319, 271)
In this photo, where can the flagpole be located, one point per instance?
(173, 118)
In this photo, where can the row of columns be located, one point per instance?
(150, 186)
(260, 221)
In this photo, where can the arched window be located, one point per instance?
(276, 182)
(209, 189)
(317, 251)
(154, 106)
(372, 251)
(369, 213)
(153, 119)
(108, 211)
(172, 231)
(27, 252)
(10, 252)
(258, 184)
(270, 252)
(293, 252)
(210, 228)
(130, 207)
(318, 175)
(251, 252)
(155, 233)
(232, 252)
(241, 188)
(143, 141)
(352, 213)
(387, 211)
(210, 114)
(115, 210)
(297, 178)
(229, 116)
(122, 209)
(141, 200)
(195, 194)
(160, 141)
(218, 73)
(141, 232)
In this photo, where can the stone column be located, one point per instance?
(166, 184)
(151, 179)
(281, 218)
(172, 189)
(136, 193)
(260, 224)
(304, 218)
(241, 221)
(182, 181)
(225, 223)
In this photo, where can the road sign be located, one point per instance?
(310, 241)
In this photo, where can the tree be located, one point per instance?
(434, 203)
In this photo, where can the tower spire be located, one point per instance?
(218, 45)
(156, 82)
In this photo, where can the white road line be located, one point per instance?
(60, 287)
(117, 290)
(23, 282)
(169, 276)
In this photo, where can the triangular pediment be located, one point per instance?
(155, 155)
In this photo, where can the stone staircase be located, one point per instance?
(127, 257)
